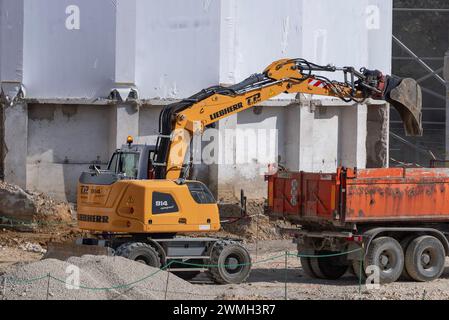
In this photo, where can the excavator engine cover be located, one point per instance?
(406, 97)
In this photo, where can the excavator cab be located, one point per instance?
(129, 162)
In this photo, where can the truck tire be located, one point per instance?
(386, 253)
(359, 271)
(404, 244)
(140, 252)
(307, 268)
(424, 258)
(316, 268)
(328, 268)
(231, 263)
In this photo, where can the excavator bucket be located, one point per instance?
(63, 251)
(406, 97)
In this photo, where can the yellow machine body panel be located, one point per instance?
(147, 206)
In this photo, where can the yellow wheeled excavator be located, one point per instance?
(143, 199)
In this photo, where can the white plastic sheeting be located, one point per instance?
(69, 48)
(178, 47)
(254, 33)
(174, 48)
(11, 30)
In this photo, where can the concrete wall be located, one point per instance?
(15, 143)
(169, 50)
(62, 141)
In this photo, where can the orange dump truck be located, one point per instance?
(395, 221)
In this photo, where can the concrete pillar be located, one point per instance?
(446, 77)
(299, 137)
(222, 173)
(320, 136)
(2, 141)
(352, 136)
(124, 122)
(15, 143)
(378, 137)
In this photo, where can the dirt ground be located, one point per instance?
(269, 277)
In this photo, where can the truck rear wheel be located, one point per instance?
(424, 258)
(359, 269)
(328, 267)
(404, 244)
(307, 268)
(140, 252)
(386, 253)
(231, 263)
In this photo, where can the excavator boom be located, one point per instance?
(210, 105)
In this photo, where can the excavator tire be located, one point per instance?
(230, 263)
(140, 252)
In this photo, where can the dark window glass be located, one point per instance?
(200, 193)
(126, 163)
(163, 203)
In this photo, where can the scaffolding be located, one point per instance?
(430, 70)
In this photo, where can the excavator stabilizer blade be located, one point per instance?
(406, 98)
(63, 251)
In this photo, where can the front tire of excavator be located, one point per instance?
(140, 252)
(230, 263)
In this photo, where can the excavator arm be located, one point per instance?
(191, 116)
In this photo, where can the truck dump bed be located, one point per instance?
(360, 195)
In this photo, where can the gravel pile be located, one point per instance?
(96, 272)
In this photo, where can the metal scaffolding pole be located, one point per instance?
(446, 76)
(441, 10)
(420, 61)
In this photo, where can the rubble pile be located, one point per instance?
(23, 210)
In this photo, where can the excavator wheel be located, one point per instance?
(230, 262)
(140, 252)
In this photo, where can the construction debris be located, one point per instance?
(255, 225)
(24, 210)
(32, 247)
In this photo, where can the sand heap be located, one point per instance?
(96, 274)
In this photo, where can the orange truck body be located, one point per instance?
(349, 196)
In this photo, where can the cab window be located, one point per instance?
(200, 193)
(126, 163)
